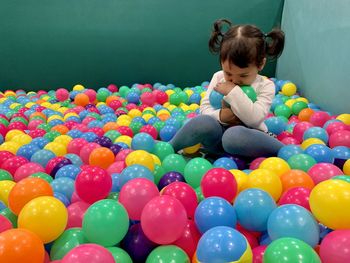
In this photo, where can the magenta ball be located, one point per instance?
(62, 94)
(76, 212)
(88, 253)
(75, 145)
(26, 170)
(148, 98)
(163, 219)
(319, 118)
(116, 167)
(256, 163)
(297, 196)
(122, 155)
(340, 138)
(300, 128)
(335, 247)
(86, 150)
(323, 171)
(336, 126)
(258, 254)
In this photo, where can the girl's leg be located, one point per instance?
(201, 129)
(249, 142)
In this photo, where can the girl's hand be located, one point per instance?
(228, 117)
(224, 88)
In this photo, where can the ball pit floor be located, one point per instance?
(90, 176)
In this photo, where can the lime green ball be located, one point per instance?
(119, 255)
(158, 173)
(169, 253)
(52, 135)
(163, 149)
(43, 176)
(199, 194)
(112, 134)
(175, 99)
(195, 170)
(159, 125)
(183, 97)
(6, 212)
(135, 126)
(45, 127)
(298, 107)
(250, 92)
(123, 90)
(102, 95)
(301, 162)
(5, 175)
(283, 110)
(4, 122)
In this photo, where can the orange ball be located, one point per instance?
(163, 117)
(60, 128)
(296, 178)
(102, 157)
(305, 114)
(81, 99)
(21, 245)
(110, 99)
(26, 190)
(110, 126)
(40, 114)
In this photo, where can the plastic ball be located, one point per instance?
(335, 247)
(88, 253)
(323, 171)
(298, 196)
(135, 171)
(143, 141)
(101, 157)
(140, 157)
(215, 99)
(301, 162)
(278, 165)
(340, 138)
(288, 89)
(167, 132)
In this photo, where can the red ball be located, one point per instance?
(161, 97)
(112, 88)
(17, 125)
(12, 164)
(37, 133)
(340, 138)
(125, 130)
(148, 98)
(115, 104)
(150, 130)
(97, 130)
(4, 155)
(75, 145)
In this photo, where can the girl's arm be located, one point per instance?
(252, 114)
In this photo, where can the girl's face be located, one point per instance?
(240, 76)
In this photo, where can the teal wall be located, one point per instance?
(317, 51)
(46, 44)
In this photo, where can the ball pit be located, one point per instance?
(91, 174)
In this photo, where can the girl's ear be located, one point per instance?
(262, 64)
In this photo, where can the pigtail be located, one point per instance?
(275, 43)
(217, 35)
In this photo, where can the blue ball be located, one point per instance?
(64, 185)
(143, 141)
(254, 202)
(135, 171)
(89, 136)
(1, 139)
(70, 171)
(288, 151)
(62, 198)
(275, 125)
(40, 142)
(167, 133)
(173, 122)
(133, 97)
(226, 163)
(293, 221)
(215, 99)
(341, 152)
(214, 211)
(42, 157)
(74, 134)
(316, 132)
(195, 98)
(123, 145)
(221, 244)
(115, 182)
(75, 159)
(27, 150)
(321, 153)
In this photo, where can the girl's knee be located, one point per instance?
(234, 138)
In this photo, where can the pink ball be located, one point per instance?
(258, 254)
(161, 97)
(148, 98)
(62, 94)
(97, 130)
(76, 213)
(75, 145)
(284, 135)
(122, 155)
(93, 184)
(91, 94)
(75, 197)
(37, 133)
(32, 125)
(335, 126)
(185, 194)
(26, 170)
(297, 195)
(124, 130)
(300, 128)
(12, 164)
(150, 130)
(112, 88)
(189, 239)
(293, 119)
(191, 115)
(116, 167)
(5, 224)
(88, 253)
(256, 163)
(86, 150)
(335, 247)
(87, 120)
(290, 140)
(131, 106)
(163, 219)
(319, 118)
(115, 104)
(4, 155)
(340, 138)
(52, 163)
(219, 182)
(323, 171)
(81, 127)
(135, 194)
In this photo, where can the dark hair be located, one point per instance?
(243, 45)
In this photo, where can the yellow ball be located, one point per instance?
(63, 139)
(57, 148)
(62, 110)
(166, 104)
(5, 189)
(171, 107)
(189, 92)
(266, 180)
(22, 139)
(46, 105)
(101, 103)
(156, 160)
(55, 106)
(290, 102)
(10, 147)
(311, 141)
(125, 117)
(289, 89)
(278, 165)
(147, 116)
(194, 106)
(192, 149)
(163, 111)
(346, 167)
(302, 99)
(134, 113)
(123, 122)
(78, 87)
(345, 118)
(55, 117)
(203, 94)
(45, 216)
(70, 114)
(149, 109)
(14, 105)
(12, 133)
(169, 92)
(140, 157)
(9, 93)
(330, 202)
(241, 179)
(29, 104)
(125, 139)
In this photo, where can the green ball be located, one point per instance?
(135, 126)
(106, 222)
(174, 162)
(158, 173)
(159, 125)
(123, 90)
(195, 170)
(4, 122)
(283, 110)
(287, 250)
(38, 118)
(250, 92)
(145, 90)
(45, 127)
(112, 134)
(162, 150)
(20, 119)
(43, 176)
(5, 175)
(94, 115)
(301, 162)
(119, 255)
(199, 194)
(6, 212)
(183, 97)
(177, 90)
(168, 254)
(175, 99)
(298, 107)
(52, 135)
(114, 196)
(102, 95)
(68, 240)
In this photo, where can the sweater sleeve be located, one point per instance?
(206, 108)
(252, 114)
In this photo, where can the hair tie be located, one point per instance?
(265, 36)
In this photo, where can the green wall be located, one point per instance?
(46, 44)
(317, 51)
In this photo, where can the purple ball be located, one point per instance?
(88, 106)
(169, 178)
(104, 141)
(240, 161)
(58, 166)
(115, 148)
(137, 244)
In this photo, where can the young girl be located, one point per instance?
(238, 127)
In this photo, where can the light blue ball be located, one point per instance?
(115, 182)
(288, 151)
(64, 185)
(135, 171)
(167, 133)
(143, 141)
(316, 132)
(27, 150)
(75, 159)
(42, 157)
(70, 171)
(226, 163)
(62, 198)
(275, 125)
(215, 99)
(321, 153)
